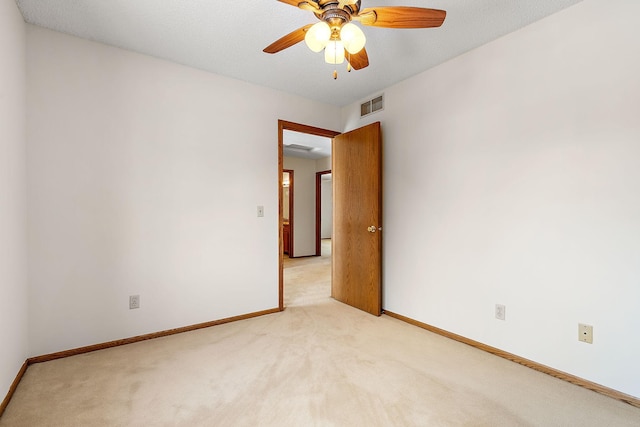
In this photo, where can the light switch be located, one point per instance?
(260, 211)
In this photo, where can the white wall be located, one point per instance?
(304, 205)
(144, 177)
(304, 200)
(323, 164)
(512, 177)
(326, 227)
(326, 205)
(13, 251)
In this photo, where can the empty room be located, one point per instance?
(479, 265)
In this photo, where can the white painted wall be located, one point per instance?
(13, 178)
(326, 208)
(326, 204)
(323, 164)
(512, 176)
(144, 177)
(304, 205)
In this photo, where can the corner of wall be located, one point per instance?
(13, 250)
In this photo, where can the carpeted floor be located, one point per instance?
(319, 363)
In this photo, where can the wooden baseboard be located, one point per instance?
(631, 400)
(116, 343)
(95, 347)
(13, 387)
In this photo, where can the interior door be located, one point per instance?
(357, 219)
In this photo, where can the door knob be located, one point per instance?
(371, 229)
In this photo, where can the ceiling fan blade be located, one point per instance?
(291, 2)
(343, 3)
(287, 41)
(401, 17)
(309, 5)
(359, 60)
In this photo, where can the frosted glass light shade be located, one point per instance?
(318, 36)
(353, 38)
(334, 52)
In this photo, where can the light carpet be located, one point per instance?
(318, 363)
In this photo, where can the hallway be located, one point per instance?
(307, 280)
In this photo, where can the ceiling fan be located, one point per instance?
(340, 38)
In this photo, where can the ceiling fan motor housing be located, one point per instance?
(330, 11)
(353, 6)
(336, 18)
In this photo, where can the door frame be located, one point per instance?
(319, 210)
(291, 200)
(296, 127)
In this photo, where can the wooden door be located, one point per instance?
(357, 219)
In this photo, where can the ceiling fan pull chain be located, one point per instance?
(335, 75)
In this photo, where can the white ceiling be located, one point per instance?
(320, 146)
(227, 37)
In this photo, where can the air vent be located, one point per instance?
(371, 106)
(300, 147)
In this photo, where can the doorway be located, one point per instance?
(324, 210)
(287, 211)
(283, 127)
(356, 247)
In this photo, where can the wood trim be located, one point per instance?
(319, 210)
(13, 387)
(318, 213)
(280, 243)
(609, 392)
(131, 340)
(297, 127)
(291, 210)
(305, 256)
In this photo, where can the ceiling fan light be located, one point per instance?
(318, 36)
(334, 52)
(352, 37)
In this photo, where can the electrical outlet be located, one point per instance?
(134, 301)
(501, 312)
(585, 333)
(260, 211)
